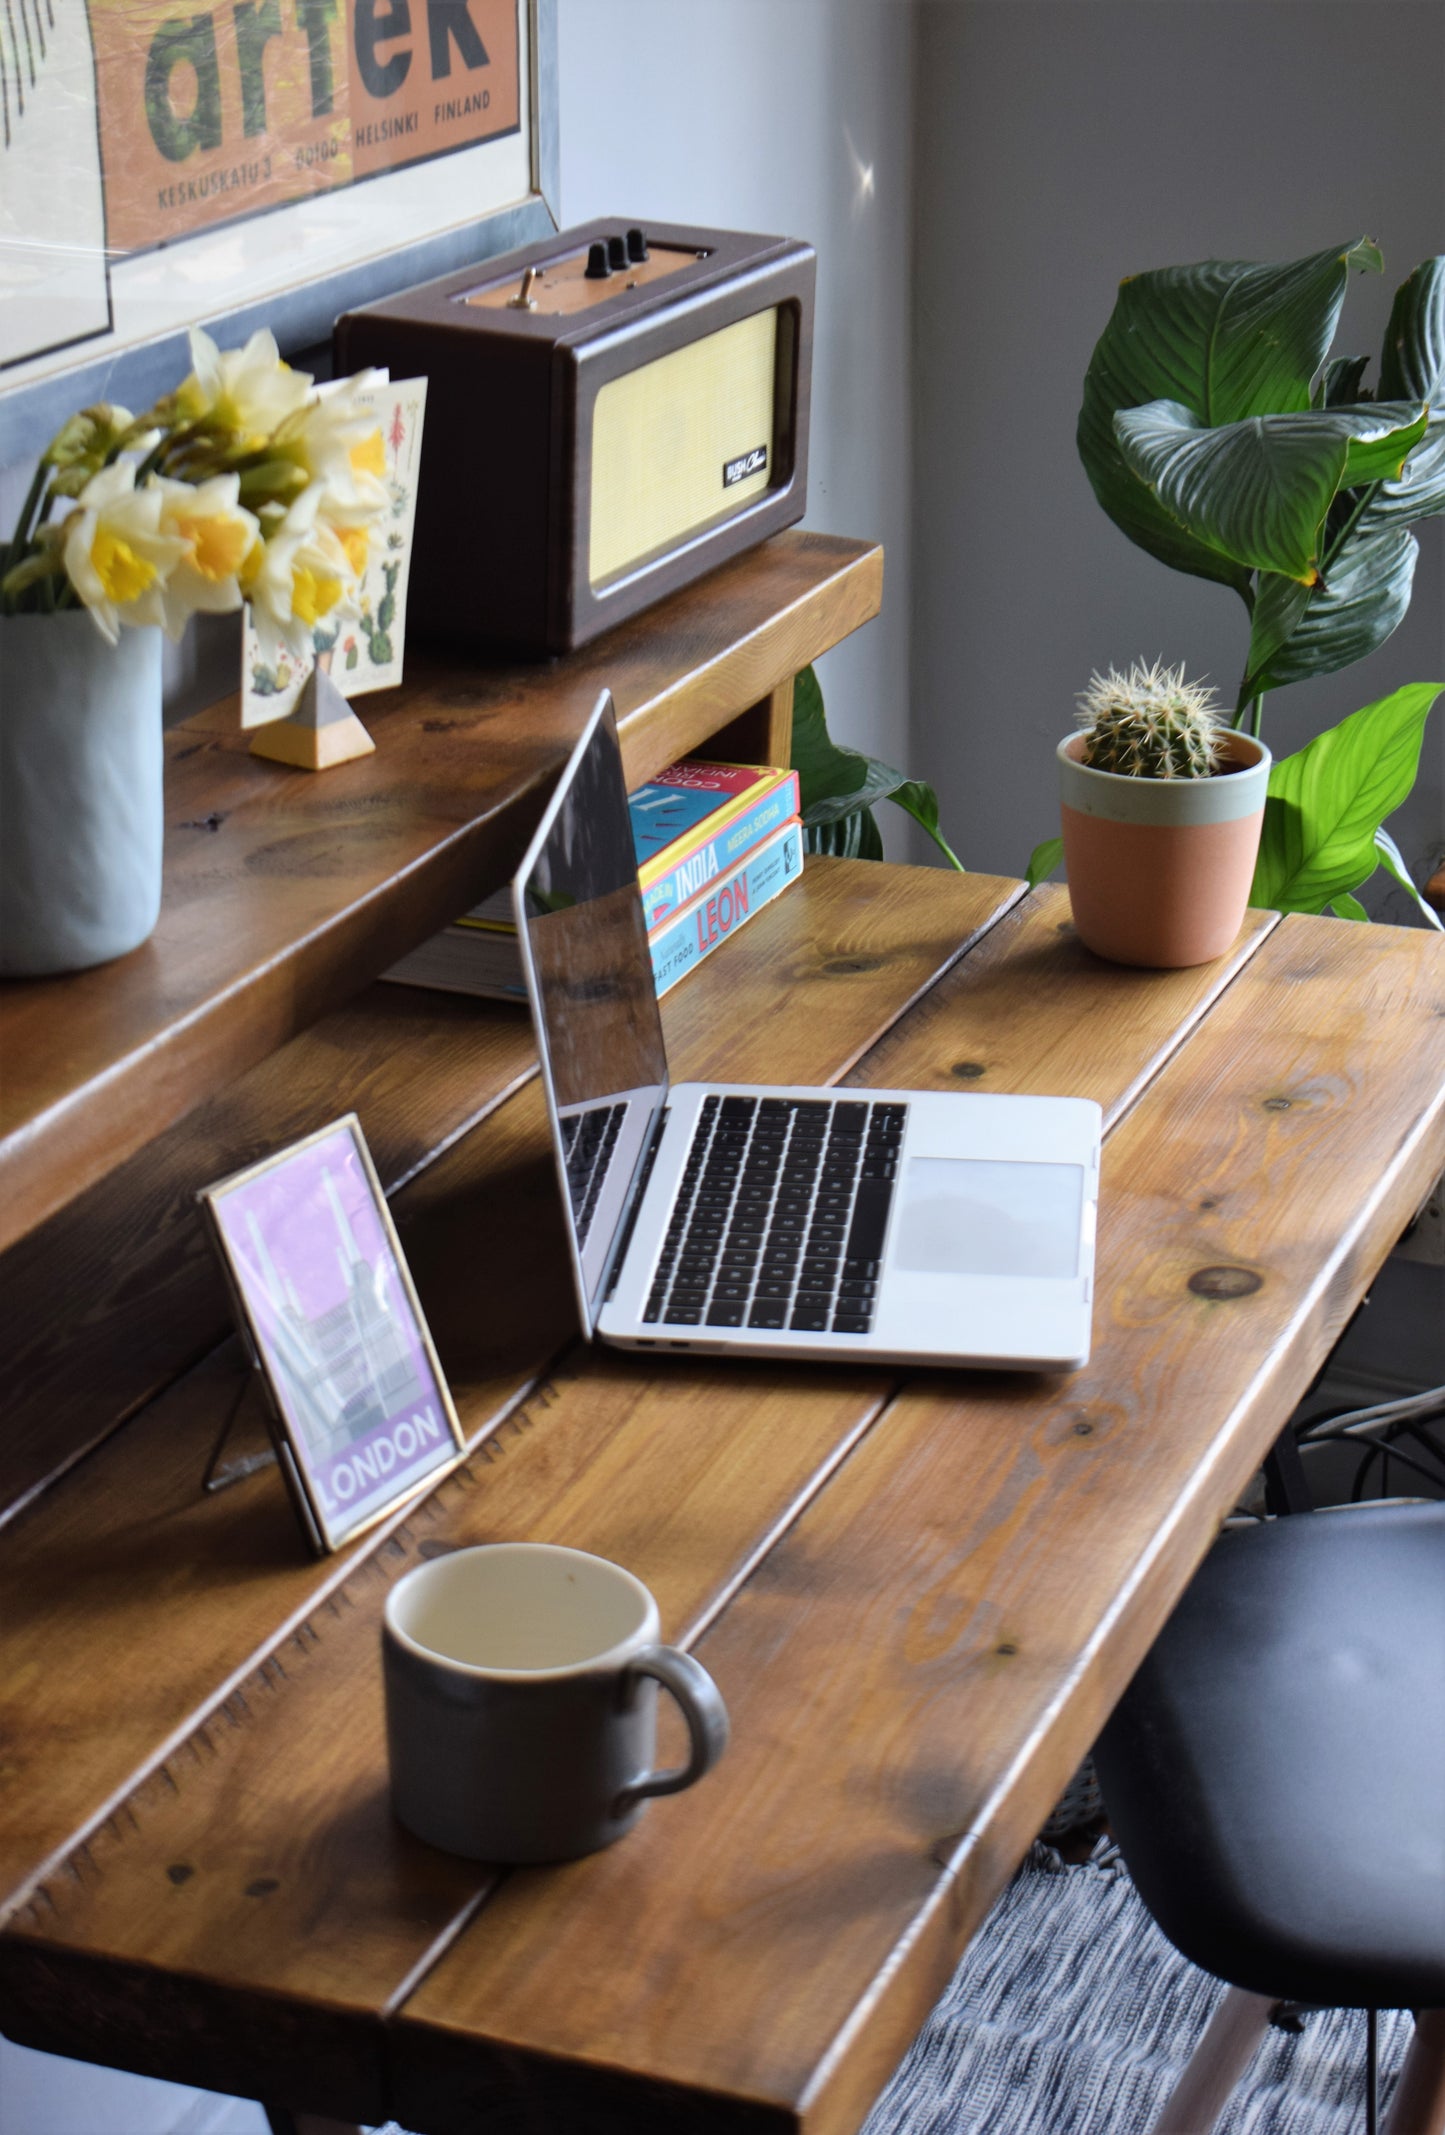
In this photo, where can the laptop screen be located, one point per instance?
(599, 1032)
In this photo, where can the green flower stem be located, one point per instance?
(20, 539)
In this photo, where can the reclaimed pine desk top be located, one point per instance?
(920, 1593)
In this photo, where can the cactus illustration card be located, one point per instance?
(361, 650)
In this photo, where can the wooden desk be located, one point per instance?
(920, 1594)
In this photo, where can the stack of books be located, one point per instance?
(715, 843)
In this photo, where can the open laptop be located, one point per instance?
(893, 1225)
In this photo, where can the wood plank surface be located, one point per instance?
(183, 1594)
(918, 1664)
(285, 893)
(350, 1949)
(1035, 1012)
(114, 1297)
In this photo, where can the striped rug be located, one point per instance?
(1071, 2015)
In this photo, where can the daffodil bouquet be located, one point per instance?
(248, 483)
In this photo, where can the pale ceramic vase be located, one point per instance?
(1160, 868)
(81, 776)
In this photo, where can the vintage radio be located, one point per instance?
(610, 413)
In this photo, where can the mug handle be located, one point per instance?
(702, 1708)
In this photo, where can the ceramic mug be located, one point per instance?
(521, 1702)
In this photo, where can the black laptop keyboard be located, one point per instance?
(780, 1216)
(589, 1139)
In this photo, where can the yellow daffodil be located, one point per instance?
(248, 391)
(298, 578)
(219, 536)
(254, 485)
(117, 555)
(335, 441)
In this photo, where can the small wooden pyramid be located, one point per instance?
(322, 731)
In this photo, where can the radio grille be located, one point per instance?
(673, 443)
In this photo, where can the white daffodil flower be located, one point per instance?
(219, 535)
(117, 555)
(336, 441)
(297, 578)
(246, 390)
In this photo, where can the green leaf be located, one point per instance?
(839, 785)
(1412, 361)
(1347, 907)
(1355, 610)
(1419, 491)
(921, 802)
(1343, 383)
(1043, 860)
(1394, 861)
(848, 837)
(1327, 801)
(1259, 491)
(1226, 340)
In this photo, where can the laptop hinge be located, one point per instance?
(634, 1202)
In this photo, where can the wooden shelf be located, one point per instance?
(286, 892)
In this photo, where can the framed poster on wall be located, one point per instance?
(245, 163)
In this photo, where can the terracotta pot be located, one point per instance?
(1159, 868)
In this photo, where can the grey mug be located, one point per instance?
(521, 1702)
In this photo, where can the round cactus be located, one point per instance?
(1150, 723)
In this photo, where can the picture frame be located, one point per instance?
(292, 263)
(359, 1410)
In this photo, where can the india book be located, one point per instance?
(717, 912)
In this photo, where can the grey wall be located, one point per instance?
(1061, 145)
(790, 117)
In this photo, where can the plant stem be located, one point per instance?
(19, 540)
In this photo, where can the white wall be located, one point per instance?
(792, 118)
(1063, 144)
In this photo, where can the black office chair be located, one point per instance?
(1275, 1778)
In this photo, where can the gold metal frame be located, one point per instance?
(291, 1452)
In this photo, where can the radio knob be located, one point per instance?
(636, 247)
(597, 267)
(617, 252)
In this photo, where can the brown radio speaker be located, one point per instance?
(610, 413)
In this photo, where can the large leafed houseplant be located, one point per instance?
(1219, 434)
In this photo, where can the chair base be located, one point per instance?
(1418, 2106)
(1228, 2045)
(1225, 2050)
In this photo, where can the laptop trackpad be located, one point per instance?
(968, 1216)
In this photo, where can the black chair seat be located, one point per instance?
(1275, 1774)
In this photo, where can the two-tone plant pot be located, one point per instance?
(1159, 869)
(81, 776)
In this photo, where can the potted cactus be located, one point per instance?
(1162, 804)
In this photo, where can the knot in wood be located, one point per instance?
(969, 1070)
(1278, 1104)
(1220, 1284)
(843, 967)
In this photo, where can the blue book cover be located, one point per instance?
(725, 905)
(690, 864)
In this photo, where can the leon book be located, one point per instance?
(695, 821)
(716, 912)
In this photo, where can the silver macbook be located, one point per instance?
(895, 1225)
